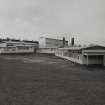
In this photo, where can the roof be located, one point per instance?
(48, 47)
(71, 48)
(20, 42)
(26, 41)
(95, 47)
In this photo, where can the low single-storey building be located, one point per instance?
(47, 50)
(15, 47)
(83, 55)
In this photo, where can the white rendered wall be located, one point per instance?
(76, 60)
(46, 50)
(79, 61)
(83, 57)
(42, 43)
(53, 43)
(49, 42)
(3, 51)
(92, 60)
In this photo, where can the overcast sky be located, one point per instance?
(30, 19)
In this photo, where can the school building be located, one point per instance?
(83, 55)
(12, 47)
(49, 45)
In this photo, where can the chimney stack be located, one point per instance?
(64, 42)
(72, 42)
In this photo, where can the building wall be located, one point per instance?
(66, 54)
(94, 56)
(49, 42)
(42, 43)
(53, 43)
(18, 47)
(47, 50)
(15, 50)
(93, 60)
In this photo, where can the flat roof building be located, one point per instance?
(45, 42)
(83, 55)
(7, 47)
(49, 45)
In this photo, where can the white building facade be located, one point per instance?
(12, 47)
(86, 56)
(49, 45)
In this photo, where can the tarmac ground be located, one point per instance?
(48, 80)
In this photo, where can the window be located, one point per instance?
(23, 47)
(6, 49)
(13, 49)
(78, 57)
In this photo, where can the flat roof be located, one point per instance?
(95, 47)
(19, 42)
(71, 48)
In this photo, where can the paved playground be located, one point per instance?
(47, 80)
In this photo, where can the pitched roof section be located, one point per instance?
(96, 47)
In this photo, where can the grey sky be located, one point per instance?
(29, 19)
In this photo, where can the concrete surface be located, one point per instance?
(47, 80)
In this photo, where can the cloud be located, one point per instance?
(29, 18)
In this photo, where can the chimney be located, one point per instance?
(72, 42)
(64, 41)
